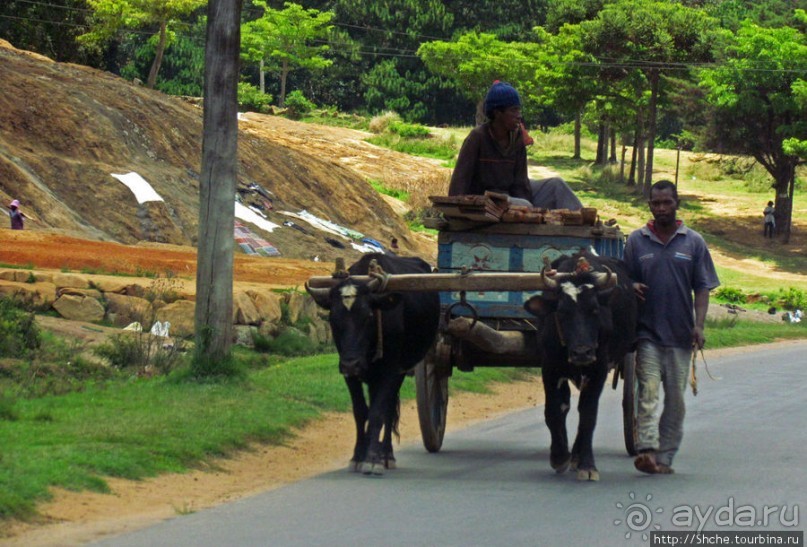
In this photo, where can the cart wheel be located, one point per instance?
(432, 398)
(630, 403)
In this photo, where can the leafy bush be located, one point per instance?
(290, 342)
(250, 97)
(19, 333)
(792, 298)
(732, 295)
(409, 130)
(380, 124)
(298, 104)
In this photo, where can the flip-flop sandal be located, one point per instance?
(646, 464)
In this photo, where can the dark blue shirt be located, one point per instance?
(672, 271)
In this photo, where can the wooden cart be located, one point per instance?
(487, 270)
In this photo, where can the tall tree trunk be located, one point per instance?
(651, 127)
(634, 157)
(640, 170)
(602, 145)
(214, 272)
(151, 81)
(284, 73)
(262, 76)
(577, 130)
(785, 186)
(622, 164)
(612, 138)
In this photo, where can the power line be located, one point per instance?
(403, 53)
(44, 4)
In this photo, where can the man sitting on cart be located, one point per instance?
(494, 157)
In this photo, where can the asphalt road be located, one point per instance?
(743, 456)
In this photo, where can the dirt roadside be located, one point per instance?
(76, 518)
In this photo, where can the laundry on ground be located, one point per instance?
(139, 186)
(251, 243)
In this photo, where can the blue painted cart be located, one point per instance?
(491, 328)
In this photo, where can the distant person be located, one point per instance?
(494, 157)
(669, 263)
(770, 220)
(17, 216)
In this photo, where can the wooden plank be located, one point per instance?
(475, 281)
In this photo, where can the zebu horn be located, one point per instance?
(549, 282)
(315, 292)
(604, 280)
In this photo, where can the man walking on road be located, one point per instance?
(668, 262)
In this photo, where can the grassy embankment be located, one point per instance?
(135, 427)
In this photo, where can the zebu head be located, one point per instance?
(574, 303)
(355, 319)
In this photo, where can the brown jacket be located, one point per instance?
(483, 165)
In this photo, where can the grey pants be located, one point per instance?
(551, 193)
(669, 367)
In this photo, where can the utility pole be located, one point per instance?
(214, 272)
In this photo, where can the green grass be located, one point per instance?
(381, 189)
(429, 147)
(731, 333)
(143, 427)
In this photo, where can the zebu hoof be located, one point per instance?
(372, 469)
(389, 463)
(354, 467)
(591, 475)
(560, 467)
(574, 463)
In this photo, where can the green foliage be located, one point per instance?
(286, 39)
(19, 333)
(8, 410)
(409, 130)
(290, 343)
(430, 148)
(297, 104)
(381, 189)
(755, 92)
(112, 16)
(380, 123)
(250, 97)
(473, 61)
(731, 295)
(792, 298)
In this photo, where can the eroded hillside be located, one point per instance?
(64, 129)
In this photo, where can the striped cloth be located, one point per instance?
(251, 244)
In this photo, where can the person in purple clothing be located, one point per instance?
(17, 217)
(673, 274)
(494, 157)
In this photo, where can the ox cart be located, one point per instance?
(487, 270)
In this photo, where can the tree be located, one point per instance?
(214, 272)
(111, 16)
(567, 78)
(285, 39)
(473, 61)
(757, 91)
(47, 28)
(650, 37)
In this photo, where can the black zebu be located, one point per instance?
(407, 323)
(589, 310)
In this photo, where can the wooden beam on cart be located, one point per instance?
(472, 282)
